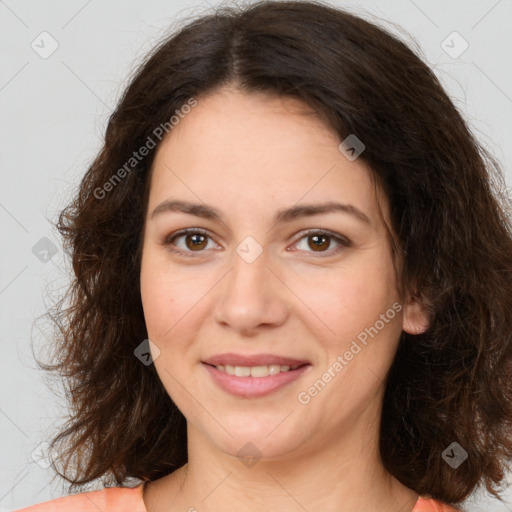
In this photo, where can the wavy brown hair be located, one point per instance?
(448, 215)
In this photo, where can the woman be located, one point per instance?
(293, 285)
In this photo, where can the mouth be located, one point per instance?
(256, 371)
(254, 376)
(253, 360)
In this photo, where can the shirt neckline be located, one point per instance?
(139, 489)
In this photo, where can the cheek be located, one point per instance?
(168, 307)
(168, 296)
(347, 301)
(154, 301)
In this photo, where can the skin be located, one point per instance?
(250, 155)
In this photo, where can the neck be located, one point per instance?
(343, 477)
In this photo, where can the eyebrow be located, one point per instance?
(286, 215)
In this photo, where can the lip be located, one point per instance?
(253, 360)
(253, 387)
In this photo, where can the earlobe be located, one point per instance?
(415, 319)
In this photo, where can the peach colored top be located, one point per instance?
(126, 499)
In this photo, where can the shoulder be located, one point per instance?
(429, 505)
(110, 499)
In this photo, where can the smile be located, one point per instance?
(255, 371)
(254, 381)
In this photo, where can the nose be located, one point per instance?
(252, 296)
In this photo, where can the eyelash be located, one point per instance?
(344, 242)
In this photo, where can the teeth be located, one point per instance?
(242, 371)
(255, 371)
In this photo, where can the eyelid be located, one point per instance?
(168, 240)
(343, 241)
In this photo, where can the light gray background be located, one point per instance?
(54, 112)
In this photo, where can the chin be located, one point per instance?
(267, 438)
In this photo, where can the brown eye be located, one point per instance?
(195, 241)
(319, 242)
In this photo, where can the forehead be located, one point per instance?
(257, 151)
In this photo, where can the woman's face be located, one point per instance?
(256, 280)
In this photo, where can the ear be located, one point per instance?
(416, 319)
